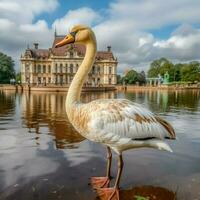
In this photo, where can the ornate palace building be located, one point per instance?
(57, 66)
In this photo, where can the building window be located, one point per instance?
(93, 69)
(39, 80)
(56, 68)
(110, 70)
(70, 54)
(27, 68)
(71, 68)
(56, 80)
(61, 66)
(66, 66)
(27, 80)
(98, 69)
(61, 79)
(44, 69)
(39, 68)
(110, 81)
(49, 80)
(101, 69)
(35, 69)
(49, 68)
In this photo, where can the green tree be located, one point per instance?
(177, 71)
(155, 67)
(161, 66)
(6, 68)
(142, 78)
(18, 77)
(190, 72)
(131, 77)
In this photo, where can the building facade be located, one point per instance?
(57, 66)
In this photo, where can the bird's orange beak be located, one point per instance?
(67, 40)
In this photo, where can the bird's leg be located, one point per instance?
(109, 161)
(112, 193)
(101, 182)
(119, 173)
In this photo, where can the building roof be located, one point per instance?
(61, 51)
(41, 53)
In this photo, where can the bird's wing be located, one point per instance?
(125, 119)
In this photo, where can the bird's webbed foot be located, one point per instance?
(100, 182)
(108, 193)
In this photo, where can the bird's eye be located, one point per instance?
(73, 33)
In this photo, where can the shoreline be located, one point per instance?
(161, 87)
(65, 88)
(59, 88)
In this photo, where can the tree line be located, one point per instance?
(178, 72)
(132, 77)
(7, 70)
(186, 72)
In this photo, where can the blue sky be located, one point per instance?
(139, 31)
(66, 5)
(163, 32)
(100, 6)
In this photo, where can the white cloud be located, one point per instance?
(37, 27)
(181, 45)
(184, 30)
(5, 24)
(15, 39)
(83, 15)
(126, 30)
(17, 27)
(9, 6)
(23, 11)
(184, 37)
(129, 45)
(146, 14)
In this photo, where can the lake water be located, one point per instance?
(43, 157)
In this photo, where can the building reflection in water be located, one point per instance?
(47, 110)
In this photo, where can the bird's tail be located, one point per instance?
(152, 143)
(169, 129)
(159, 144)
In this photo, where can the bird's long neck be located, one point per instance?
(74, 92)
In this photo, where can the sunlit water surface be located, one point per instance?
(43, 157)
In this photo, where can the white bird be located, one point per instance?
(119, 124)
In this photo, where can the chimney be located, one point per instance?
(109, 48)
(36, 45)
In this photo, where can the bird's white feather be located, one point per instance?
(118, 122)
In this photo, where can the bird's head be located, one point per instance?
(78, 34)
